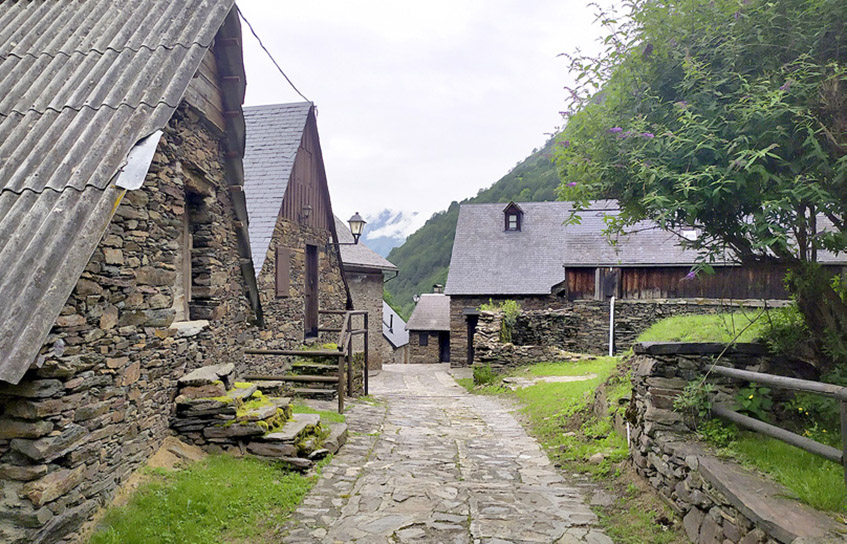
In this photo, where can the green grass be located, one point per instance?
(816, 481)
(219, 500)
(467, 383)
(705, 328)
(327, 416)
(597, 366)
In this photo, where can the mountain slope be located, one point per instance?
(424, 258)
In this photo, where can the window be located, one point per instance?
(513, 215)
(424, 339)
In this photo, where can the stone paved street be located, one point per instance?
(433, 464)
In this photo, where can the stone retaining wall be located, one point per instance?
(579, 326)
(719, 501)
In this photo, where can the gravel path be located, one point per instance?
(431, 463)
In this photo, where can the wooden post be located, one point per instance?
(844, 438)
(367, 334)
(350, 357)
(341, 383)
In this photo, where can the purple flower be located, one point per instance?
(626, 134)
(566, 144)
(785, 86)
(681, 104)
(615, 130)
(648, 135)
(690, 276)
(572, 184)
(736, 15)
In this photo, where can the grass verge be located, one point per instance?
(705, 328)
(560, 415)
(222, 499)
(327, 416)
(816, 481)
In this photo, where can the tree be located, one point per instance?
(729, 116)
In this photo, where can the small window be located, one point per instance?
(513, 222)
(424, 339)
(513, 215)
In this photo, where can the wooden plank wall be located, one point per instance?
(204, 93)
(730, 282)
(306, 186)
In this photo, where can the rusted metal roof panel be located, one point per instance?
(81, 83)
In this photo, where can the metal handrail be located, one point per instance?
(792, 384)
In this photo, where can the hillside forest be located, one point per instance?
(424, 258)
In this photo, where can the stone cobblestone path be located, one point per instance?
(431, 463)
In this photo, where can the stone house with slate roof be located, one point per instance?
(429, 329)
(293, 234)
(524, 252)
(366, 272)
(124, 247)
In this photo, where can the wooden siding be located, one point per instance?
(204, 94)
(307, 185)
(728, 282)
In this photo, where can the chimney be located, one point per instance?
(438, 288)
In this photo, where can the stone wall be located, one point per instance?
(419, 354)
(284, 316)
(579, 326)
(719, 501)
(366, 291)
(74, 429)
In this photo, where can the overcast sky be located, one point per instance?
(419, 103)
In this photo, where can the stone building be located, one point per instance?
(292, 229)
(395, 332)
(525, 252)
(429, 329)
(366, 272)
(124, 245)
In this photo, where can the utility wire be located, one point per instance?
(241, 14)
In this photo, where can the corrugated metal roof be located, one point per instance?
(80, 84)
(358, 256)
(431, 313)
(274, 134)
(487, 260)
(393, 327)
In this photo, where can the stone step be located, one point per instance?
(273, 387)
(318, 393)
(298, 426)
(337, 437)
(242, 393)
(309, 367)
(309, 378)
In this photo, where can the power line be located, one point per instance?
(269, 54)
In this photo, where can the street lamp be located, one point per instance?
(357, 226)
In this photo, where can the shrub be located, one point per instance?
(510, 310)
(786, 330)
(484, 375)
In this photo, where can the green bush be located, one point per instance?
(695, 399)
(484, 375)
(755, 401)
(510, 310)
(785, 330)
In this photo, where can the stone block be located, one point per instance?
(692, 522)
(109, 318)
(148, 275)
(207, 374)
(159, 318)
(131, 374)
(20, 428)
(51, 447)
(53, 485)
(22, 473)
(31, 409)
(296, 427)
(203, 391)
(271, 449)
(710, 532)
(236, 430)
(32, 388)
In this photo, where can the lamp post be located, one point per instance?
(357, 226)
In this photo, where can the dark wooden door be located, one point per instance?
(472, 321)
(444, 347)
(311, 299)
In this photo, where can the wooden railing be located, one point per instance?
(344, 354)
(792, 384)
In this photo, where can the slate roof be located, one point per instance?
(431, 313)
(274, 134)
(80, 85)
(359, 256)
(487, 260)
(393, 327)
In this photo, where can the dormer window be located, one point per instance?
(513, 217)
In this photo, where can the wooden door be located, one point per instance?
(444, 347)
(472, 322)
(311, 298)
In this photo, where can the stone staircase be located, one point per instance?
(217, 413)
